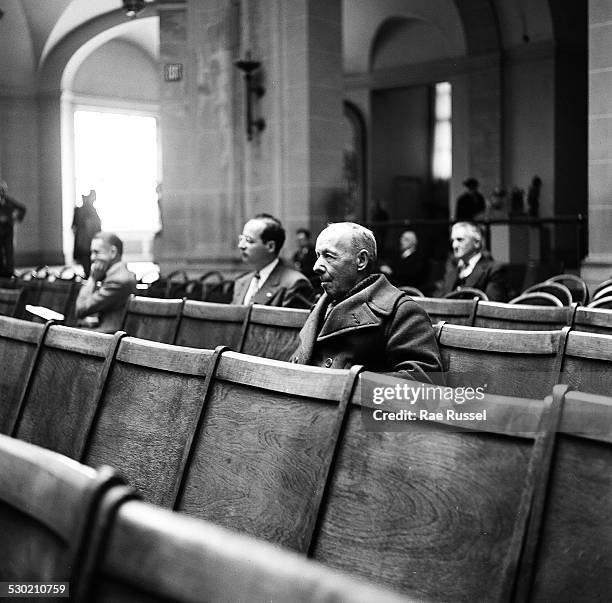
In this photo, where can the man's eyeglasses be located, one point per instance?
(246, 239)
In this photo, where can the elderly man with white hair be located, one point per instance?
(471, 266)
(361, 318)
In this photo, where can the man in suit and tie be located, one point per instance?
(271, 282)
(471, 267)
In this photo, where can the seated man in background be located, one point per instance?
(470, 266)
(104, 294)
(305, 257)
(410, 267)
(271, 282)
(361, 318)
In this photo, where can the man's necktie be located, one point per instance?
(253, 289)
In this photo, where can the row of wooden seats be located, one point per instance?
(58, 295)
(283, 452)
(263, 331)
(64, 522)
(498, 315)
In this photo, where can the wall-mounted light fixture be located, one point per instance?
(253, 90)
(133, 7)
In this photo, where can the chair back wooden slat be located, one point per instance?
(506, 362)
(261, 456)
(593, 320)
(19, 342)
(153, 319)
(45, 503)
(432, 508)
(587, 362)
(574, 556)
(273, 332)
(9, 301)
(496, 315)
(148, 413)
(60, 401)
(206, 325)
(196, 561)
(454, 311)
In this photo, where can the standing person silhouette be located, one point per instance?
(11, 211)
(85, 224)
(470, 203)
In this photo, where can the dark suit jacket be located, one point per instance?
(411, 270)
(108, 298)
(488, 276)
(379, 326)
(284, 287)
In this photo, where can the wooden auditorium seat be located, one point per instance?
(593, 320)
(155, 555)
(467, 293)
(554, 288)
(587, 362)
(508, 362)
(273, 332)
(454, 311)
(9, 301)
(495, 315)
(576, 285)
(434, 509)
(59, 401)
(19, 342)
(58, 295)
(536, 298)
(46, 501)
(152, 318)
(604, 302)
(147, 416)
(207, 325)
(571, 556)
(261, 455)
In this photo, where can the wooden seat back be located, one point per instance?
(262, 452)
(9, 301)
(273, 332)
(454, 311)
(196, 561)
(436, 508)
(593, 320)
(19, 342)
(45, 503)
(206, 325)
(587, 362)
(495, 315)
(148, 413)
(506, 362)
(58, 405)
(151, 318)
(573, 556)
(58, 295)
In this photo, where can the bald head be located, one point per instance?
(346, 254)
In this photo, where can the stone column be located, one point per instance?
(598, 264)
(213, 177)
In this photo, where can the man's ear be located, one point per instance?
(362, 259)
(271, 245)
(114, 252)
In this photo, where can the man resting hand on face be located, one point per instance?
(105, 293)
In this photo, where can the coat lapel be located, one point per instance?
(474, 278)
(240, 288)
(308, 334)
(269, 288)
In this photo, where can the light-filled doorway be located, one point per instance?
(116, 154)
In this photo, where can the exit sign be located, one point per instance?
(173, 72)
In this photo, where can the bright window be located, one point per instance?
(442, 140)
(116, 155)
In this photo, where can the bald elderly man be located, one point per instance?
(361, 318)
